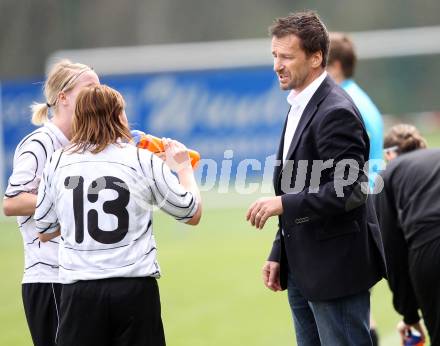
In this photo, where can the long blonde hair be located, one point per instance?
(62, 77)
(97, 121)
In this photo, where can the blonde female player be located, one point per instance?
(40, 287)
(100, 191)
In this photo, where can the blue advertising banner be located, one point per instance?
(232, 114)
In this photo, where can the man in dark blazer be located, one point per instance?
(328, 251)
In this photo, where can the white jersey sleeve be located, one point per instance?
(29, 160)
(167, 193)
(45, 216)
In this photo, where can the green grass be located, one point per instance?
(433, 139)
(211, 289)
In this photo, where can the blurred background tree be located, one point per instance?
(32, 30)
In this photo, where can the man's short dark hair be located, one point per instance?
(308, 27)
(342, 50)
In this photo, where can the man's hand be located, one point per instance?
(262, 209)
(271, 276)
(404, 330)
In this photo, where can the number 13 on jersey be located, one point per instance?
(116, 207)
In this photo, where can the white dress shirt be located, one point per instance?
(298, 102)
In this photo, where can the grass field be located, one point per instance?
(211, 289)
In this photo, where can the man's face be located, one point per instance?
(290, 62)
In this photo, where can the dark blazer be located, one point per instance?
(326, 238)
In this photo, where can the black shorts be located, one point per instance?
(116, 312)
(41, 306)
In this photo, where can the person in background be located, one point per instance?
(341, 67)
(342, 61)
(40, 287)
(409, 216)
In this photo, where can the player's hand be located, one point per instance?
(271, 275)
(176, 155)
(262, 209)
(405, 329)
(161, 155)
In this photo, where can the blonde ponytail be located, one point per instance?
(40, 113)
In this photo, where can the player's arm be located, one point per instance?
(396, 253)
(22, 204)
(178, 197)
(20, 196)
(187, 180)
(178, 159)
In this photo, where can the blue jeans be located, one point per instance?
(338, 322)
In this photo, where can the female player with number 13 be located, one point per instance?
(100, 191)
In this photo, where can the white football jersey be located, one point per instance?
(40, 259)
(103, 203)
